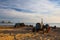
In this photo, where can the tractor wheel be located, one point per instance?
(43, 31)
(33, 30)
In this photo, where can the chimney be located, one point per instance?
(41, 23)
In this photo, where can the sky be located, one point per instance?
(30, 11)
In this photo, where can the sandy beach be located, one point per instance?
(25, 33)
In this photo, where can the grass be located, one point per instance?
(27, 34)
(6, 37)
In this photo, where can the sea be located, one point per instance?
(50, 24)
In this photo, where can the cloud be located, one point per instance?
(35, 5)
(17, 9)
(30, 10)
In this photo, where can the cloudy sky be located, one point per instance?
(30, 10)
